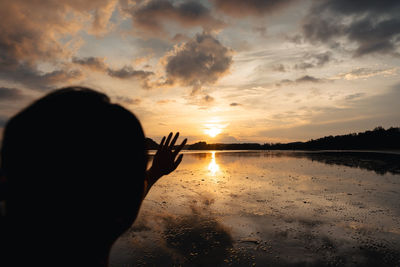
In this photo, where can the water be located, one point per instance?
(270, 208)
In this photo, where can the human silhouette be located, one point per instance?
(73, 178)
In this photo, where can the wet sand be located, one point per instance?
(261, 208)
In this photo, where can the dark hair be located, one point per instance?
(75, 166)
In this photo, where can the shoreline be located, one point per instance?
(188, 151)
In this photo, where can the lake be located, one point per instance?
(258, 208)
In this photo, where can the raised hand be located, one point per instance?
(165, 160)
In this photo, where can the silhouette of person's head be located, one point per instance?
(75, 166)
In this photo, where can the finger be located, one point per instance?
(174, 140)
(161, 145)
(178, 161)
(168, 139)
(179, 148)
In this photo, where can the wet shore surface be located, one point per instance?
(261, 208)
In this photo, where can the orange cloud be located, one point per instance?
(28, 38)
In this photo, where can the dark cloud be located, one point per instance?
(373, 26)
(240, 8)
(359, 6)
(151, 16)
(303, 79)
(126, 72)
(10, 94)
(279, 68)
(94, 63)
(208, 99)
(307, 78)
(322, 58)
(200, 61)
(234, 104)
(29, 76)
(304, 65)
(314, 60)
(297, 39)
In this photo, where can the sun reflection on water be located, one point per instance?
(213, 167)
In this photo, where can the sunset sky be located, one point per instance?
(241, 71)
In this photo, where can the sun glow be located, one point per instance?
(214, 127)
(213, 131)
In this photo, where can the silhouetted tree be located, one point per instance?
(377, 139)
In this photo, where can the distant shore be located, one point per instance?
(396, 152)
(379, 139)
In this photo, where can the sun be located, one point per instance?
(214, 127)
(213, 131)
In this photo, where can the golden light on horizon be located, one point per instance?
(214, 127)
(213, 131)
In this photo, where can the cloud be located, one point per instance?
(225, 138)
(302, 79)
(165, 101)
(314, 60)
(234, 104)
(364, 73)
(208, 99)
(94, 63)
(240, 8)
(152, 16)
(363, 112)
(101, 18)
(354, 96)
(304, 65)
(126, 72)
(372, 26)
(28, 38)
(296, 39)
(128, 100)
(279, 68)
(261, 30)
(10, 94)
(200, 61)
(307, 78)
(29, 76)
(202, 100)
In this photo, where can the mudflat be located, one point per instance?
(259, 208)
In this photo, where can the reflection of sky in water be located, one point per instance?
(267, 208)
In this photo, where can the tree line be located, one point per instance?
(376, 139)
